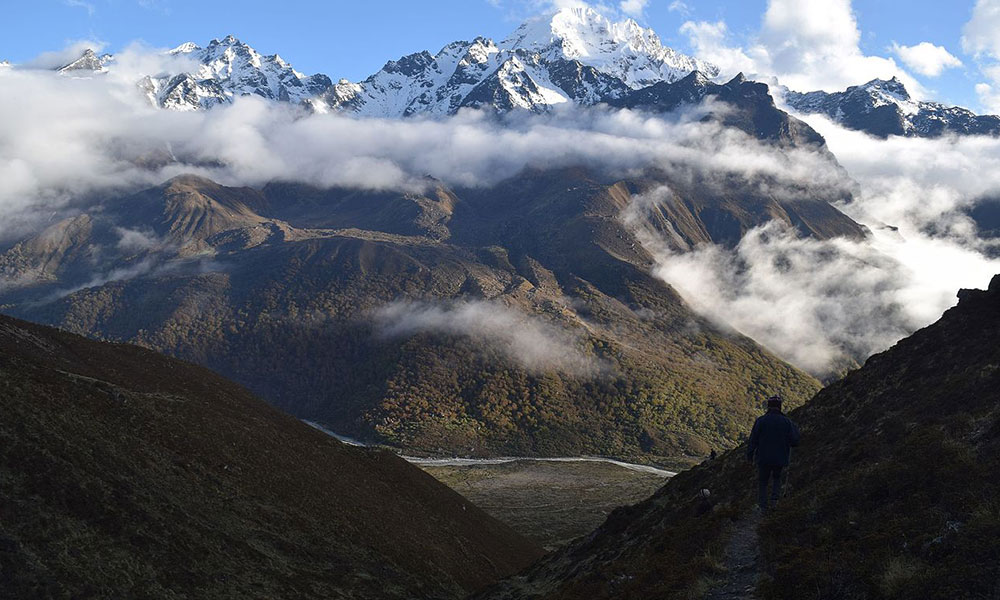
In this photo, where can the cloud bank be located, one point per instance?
(534, 344)
(926, 58)
(78, 137)
(75, 140)
(821, 304)
(979, 38)
(804, 44)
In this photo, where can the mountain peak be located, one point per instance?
(185, 48)
(883, 107)
(623, 49)
(226, 69)
(88, 61)
(893, 86)
(580, 30)
(229, 40)
(694, 78)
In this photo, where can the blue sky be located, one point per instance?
(353, 39)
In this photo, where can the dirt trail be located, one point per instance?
(742, 562)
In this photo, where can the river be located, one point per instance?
(461, 462)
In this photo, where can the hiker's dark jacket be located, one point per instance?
(772, 438)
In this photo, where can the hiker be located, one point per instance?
(771, 441)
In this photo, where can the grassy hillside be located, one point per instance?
(126, 474)
(891, 495)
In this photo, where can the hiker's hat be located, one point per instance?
(774, 402)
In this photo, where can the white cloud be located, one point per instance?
(59, 58)
(633, 8)
(679, 6)
(528, 340)
(989, 96)
(710, 41)
(806, 44)
(926, 58)
(980, 38)
(980, 35)
(134, 240)
(88, 6)
(816, 302)
(813, 44)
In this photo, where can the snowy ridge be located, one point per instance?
(230, 68)
(575, 55)
(625, 49)
(884, 107)
(88, 63)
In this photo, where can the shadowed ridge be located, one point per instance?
(890, 495)
(749, 107)
(190, 209)
(129, 471)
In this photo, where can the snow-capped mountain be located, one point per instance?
(89, 62)
(883, 108)
(230, 68)
(625, 49)
(472, 74)
(576, 55)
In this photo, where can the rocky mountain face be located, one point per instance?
(986, 214)
(890, 495)
(883, 108)
(132, 474)
(518, 319)
(749, 107)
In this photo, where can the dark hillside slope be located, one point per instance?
(127, 474)
(893, 493)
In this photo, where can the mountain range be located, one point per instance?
(575, 56)
(883, 108)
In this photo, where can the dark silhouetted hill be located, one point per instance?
(891, 495)
(127, 474)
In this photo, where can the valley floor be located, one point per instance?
(547, 501)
